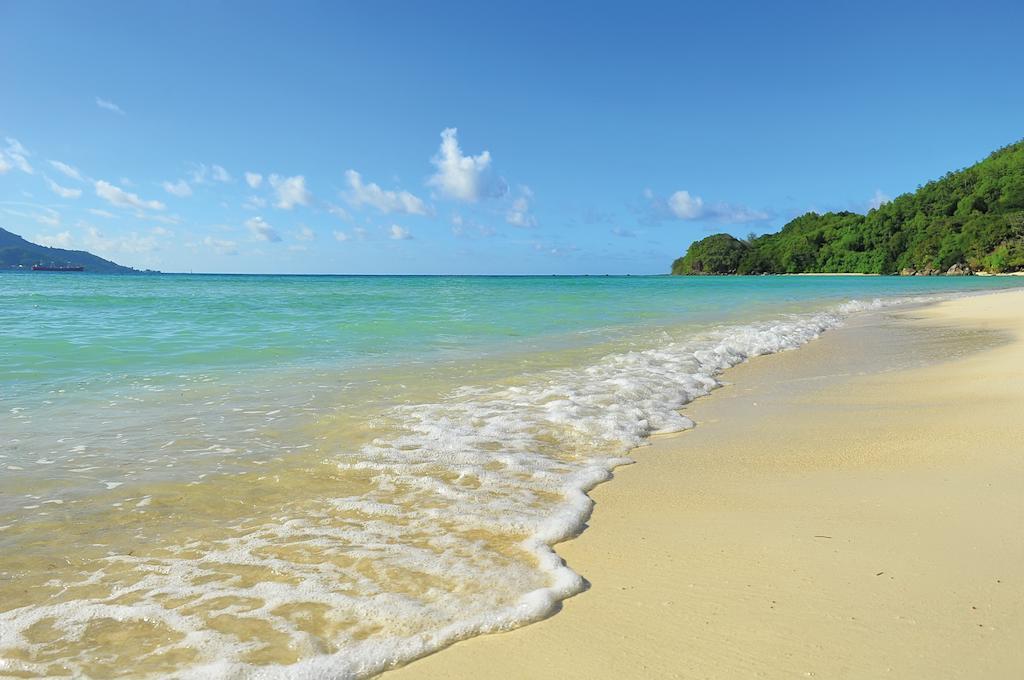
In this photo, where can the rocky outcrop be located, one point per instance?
(959, 269)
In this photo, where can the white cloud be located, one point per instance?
(464, 178)
(61, 240)
(341, 236)
(686, 207)
(878, 200)
(124, 199)
(519, 214)
(15, 155)
(382, 200)
(261, 229)
(682, 205)
(102, 213)
(291, 191)
(305, 234)
(160, 231)
(220, 174)
(253, 179)
(179, 188)
(397, 233)
(63, 192)
(254, 203)
(67, 170)
(109, 105)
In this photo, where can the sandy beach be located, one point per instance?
(852, 509)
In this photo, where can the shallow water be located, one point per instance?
(325, 476)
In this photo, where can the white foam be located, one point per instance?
(453, 482)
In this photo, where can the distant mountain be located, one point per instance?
(972, 219)
(16, 252)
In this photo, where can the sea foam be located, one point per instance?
(451, 535)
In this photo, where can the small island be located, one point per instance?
(968, 221)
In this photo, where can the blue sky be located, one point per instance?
(384, 137)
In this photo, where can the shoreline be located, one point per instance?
(743, 548)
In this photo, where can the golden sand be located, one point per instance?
(854, 509)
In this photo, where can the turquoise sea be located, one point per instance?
(324, 476)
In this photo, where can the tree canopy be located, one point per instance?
(718, 254)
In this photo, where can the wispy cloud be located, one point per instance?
(253, 179)
(383, 200)
(262, 230)
(220, 246)
(519, 214)
(109, 106)
(180, 188)
(63, 192)
(201, 173)
(469, 228)
(15, 155)
(463, 178)
(357, 234)
(67, 170)
(219, 174)
(124, 199)
(338, 212)
(48, 217)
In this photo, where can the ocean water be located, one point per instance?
(249, 476)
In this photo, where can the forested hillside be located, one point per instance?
(971, 219)
(16, 252)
